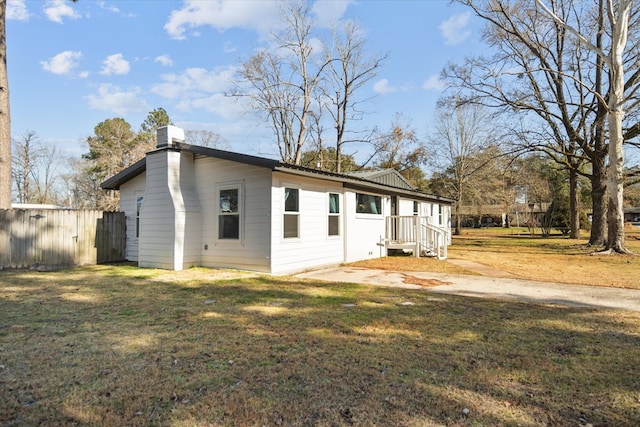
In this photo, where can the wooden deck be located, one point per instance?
(416, 234)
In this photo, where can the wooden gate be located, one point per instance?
(59, 238)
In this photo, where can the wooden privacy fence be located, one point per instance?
(52, 238)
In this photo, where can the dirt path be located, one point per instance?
(506, 288)
(481, 269)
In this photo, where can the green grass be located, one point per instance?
(119, 345)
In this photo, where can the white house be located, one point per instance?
(188, 205)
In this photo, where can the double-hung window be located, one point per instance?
(334, 214)
(291, 217)
(229, 213)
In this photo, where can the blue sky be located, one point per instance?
(73, 65)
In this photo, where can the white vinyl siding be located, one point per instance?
(157, 223)
(252, 250)
(129, 192)
(314, 247)
(364, 232)
(170, 217)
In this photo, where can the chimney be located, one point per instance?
(167, 136)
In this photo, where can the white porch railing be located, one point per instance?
(416, 233)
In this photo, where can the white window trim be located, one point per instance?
(298, 213)
(339, 214)
(379, 216)
(137, 195)
(230, 185)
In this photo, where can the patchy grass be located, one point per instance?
(410, 263)
(119, 345)
(552, 259)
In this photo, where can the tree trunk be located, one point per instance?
(5, 118)
(598, 155)
(457, 230)
(574, 205)
(615, 213)
(598, 178)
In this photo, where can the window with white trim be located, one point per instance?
(229, 211)
(334, 215)
(139, 200)
(291, 217)
(368, 204)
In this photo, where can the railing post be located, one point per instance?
(416, 236)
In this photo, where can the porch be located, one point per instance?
(416, 234)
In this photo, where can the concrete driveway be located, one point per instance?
(507, 288)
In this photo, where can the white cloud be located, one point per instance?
(112, 98)
(434, 83)
(195, 83)
(229, 47)
(455, 29)
(57, 10)
(222, 15)
(17, 10)
(63, 63)
(226, 107)
(327, 13)
(202, 89)
(110, 8)
(164, 60)
(115, 64)
(382, 87)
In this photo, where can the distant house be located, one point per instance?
(188, 206)
(499, 215)
(632, 215)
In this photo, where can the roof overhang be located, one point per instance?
(125, 175)
(348, 181)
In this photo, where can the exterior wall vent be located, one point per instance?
(168, 135)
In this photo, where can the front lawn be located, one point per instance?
(118, 345)
(551, 259)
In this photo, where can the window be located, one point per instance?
(368, 204)
(334, 214)
(291, 213)
(228, 213)
(139, 200)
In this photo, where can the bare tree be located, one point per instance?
(349, 68)
(23, 166)
(204, 138)
(5, 117)
(399, 148)
(47, 177)
(35, 170)
(548, 78)
(461, 134)
(282, 81)
(618, 14)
